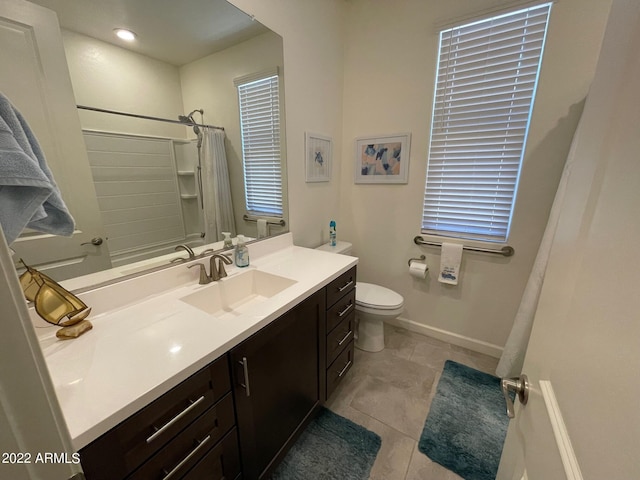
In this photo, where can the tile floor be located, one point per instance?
(389, 393)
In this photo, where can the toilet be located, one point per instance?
(374, 306)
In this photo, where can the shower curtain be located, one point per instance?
(512, 359)
(216, 190)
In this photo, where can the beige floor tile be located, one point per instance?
(422, 467)
(389, 392)
(392, 405)
(395, 450)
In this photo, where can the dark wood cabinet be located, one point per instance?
(238, 417)
(168, 436)
(276, 384)
(340, 323)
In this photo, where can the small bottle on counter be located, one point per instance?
(332, 233)
(241, 253)
(227, 240)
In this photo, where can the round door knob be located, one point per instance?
(94, 241)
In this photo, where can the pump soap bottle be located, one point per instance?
(241, 253)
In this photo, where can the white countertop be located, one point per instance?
(141, 349)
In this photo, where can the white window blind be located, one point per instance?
(485, 85)
(260, 126)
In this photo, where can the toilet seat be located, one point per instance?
(376, 299)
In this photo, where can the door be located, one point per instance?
(275, 377)
(32, 427)
(39, 86)
(583, 360)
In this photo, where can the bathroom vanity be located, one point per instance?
(199, 388)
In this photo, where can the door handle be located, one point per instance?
(94, 241)
(519, 386)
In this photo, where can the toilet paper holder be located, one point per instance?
(422, 257)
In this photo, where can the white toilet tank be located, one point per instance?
(343, 248)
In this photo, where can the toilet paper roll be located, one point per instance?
(418, 269)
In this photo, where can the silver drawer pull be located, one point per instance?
(343, 312)
(345, 286)
(245, 368)
(174, 420)
(344, 369)
(345, 337)
(185, 459)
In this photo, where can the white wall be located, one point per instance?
(390, 60)
(313, 35)
(207, 83)
(110, 77)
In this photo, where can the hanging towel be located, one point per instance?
(263, 228)
(29, 196)
(450, 258)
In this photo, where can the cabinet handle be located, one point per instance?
(343, 312)
(185, 459)
(245, 367)
(160, 430)
(344, 369)
(346, 285)
(345, 337)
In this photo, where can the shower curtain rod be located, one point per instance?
(146, 117)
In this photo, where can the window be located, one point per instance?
(259, 100)
(485, 86)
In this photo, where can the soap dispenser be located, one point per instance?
(241, 253)
(227, 240)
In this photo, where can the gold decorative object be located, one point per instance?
(55, 304)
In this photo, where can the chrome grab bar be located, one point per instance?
(506, 251)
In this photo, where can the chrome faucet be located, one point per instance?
(218, 272)
(216, 268)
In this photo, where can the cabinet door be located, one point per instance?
(277, 384)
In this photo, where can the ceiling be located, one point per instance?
(174, 31)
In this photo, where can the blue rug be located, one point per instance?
(467, 423)
(330, 448)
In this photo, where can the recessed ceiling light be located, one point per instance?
(124, 34)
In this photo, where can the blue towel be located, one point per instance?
(29, 196)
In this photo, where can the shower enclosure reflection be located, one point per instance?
(154, 183)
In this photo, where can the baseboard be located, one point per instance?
(449, 337)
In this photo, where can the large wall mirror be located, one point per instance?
(142, 188)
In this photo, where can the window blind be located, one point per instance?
(260, 126)
(485, 85)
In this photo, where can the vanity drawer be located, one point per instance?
(222, 461)
(125, 447)
(338, 369)
(340, 286)
(340, 337)
(186, 449)
(339, 311)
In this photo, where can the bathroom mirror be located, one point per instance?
(185, 58)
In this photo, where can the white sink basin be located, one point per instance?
(233, 295)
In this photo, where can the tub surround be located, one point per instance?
(146, 340)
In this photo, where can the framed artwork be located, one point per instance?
(383, 159)
(318, 157)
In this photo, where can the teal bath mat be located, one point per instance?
(331, 448)
(467, 423)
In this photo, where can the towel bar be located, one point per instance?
(506, 251)
(280, 222)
